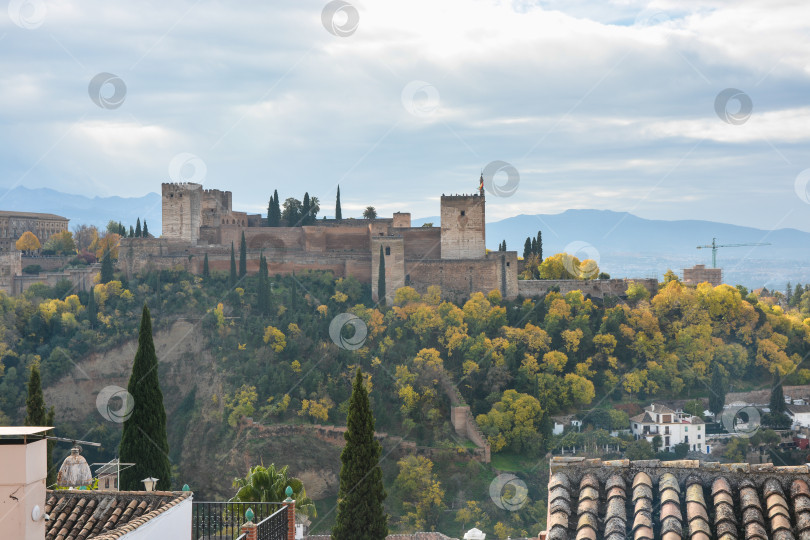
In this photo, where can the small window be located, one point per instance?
(686, 428)
(507, 264)
(387, 250)
(463, 212)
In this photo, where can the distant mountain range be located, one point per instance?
(626, 245)
(80, 209)
(630, 246)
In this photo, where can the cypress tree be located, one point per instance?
(144, 440)
(233, 267)
(276, 209)
(534, 246)
(527, 248)
(122, 231)
(92, 308)
(206, 271)
(242, 256)
(540, 246)
(131, 232)
(338, 212)
(381, 279)
(777, 404)
(717, 394)
(107, 268)
(145, 230)
(37, 415)
(360, 514)
(306, 210)
(262, 298)
(138, 228)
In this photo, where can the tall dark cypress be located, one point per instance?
(717, 392)
(276, 209)
(107, 268)
(144, 440)
(242, 256)
(138, 228)
(306, 210)
(131, 232)
(206, 271)
(539, 245)
(527, 248)
(263, 299)
(233, 267)
(534, 246)
(37, 415)
(92, 308)
(777, 403)
(360, 514)
(145, 230)
(381, 278)
(338, 211)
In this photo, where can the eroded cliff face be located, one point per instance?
(206, 452)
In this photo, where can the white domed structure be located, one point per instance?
(74, 472)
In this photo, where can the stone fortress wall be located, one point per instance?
(197, 222)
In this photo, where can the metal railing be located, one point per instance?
(224, 520)
(273, 527)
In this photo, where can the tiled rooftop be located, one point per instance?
(668, 500)
(103, 515)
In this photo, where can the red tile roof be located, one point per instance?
(104, 515)
(642, 500)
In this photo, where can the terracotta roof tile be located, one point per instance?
(651, 499)
(103, 515)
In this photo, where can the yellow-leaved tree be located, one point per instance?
(28, 242)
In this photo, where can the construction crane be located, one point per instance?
(714, 245)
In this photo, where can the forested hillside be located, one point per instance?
(267, 341)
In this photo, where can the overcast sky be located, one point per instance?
(610, 105)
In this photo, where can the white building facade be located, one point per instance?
(674, 427)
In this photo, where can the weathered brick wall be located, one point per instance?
(81, 279)
(10, 266)
(402, 220)
(463, 227)
(394, 250)
(47, 263)
(346, 238)
(422, 242)
(597, 288)
(700, 274)
(182, 211)
(457, 278)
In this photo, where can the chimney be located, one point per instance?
(23, 469)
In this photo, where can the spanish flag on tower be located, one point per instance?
(481, 184)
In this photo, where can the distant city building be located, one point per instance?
(700, 274)
(14, 224)
(800, 414)
(672, 426)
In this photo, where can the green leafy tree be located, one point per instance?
(370, 213)
(107, 268)
(640, 449)
(292, 212)
(242, 256)
(381, 278)
(269, 484)
(233, 277)
(338, 211)
(37, 415)
(421, 492)
(360, 514)
(144, 440)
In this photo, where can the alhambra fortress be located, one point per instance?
(199, 221)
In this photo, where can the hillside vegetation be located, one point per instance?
(264, 350)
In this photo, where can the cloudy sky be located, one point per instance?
(612, 104)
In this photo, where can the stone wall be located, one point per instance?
(82, 279)
(394, 252)
(46, 262)
(700, 274)
(458, 279)
(402, 220)
(182, 211)
(422, 243)
(10, 266)
(463, 226)
(596, 288)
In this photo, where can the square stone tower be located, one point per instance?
(182, 211)
(393, 249)
(463, 227)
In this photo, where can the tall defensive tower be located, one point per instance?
(182, 211)
(463, 226)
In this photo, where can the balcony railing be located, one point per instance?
(224, 520)
(273, 527)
